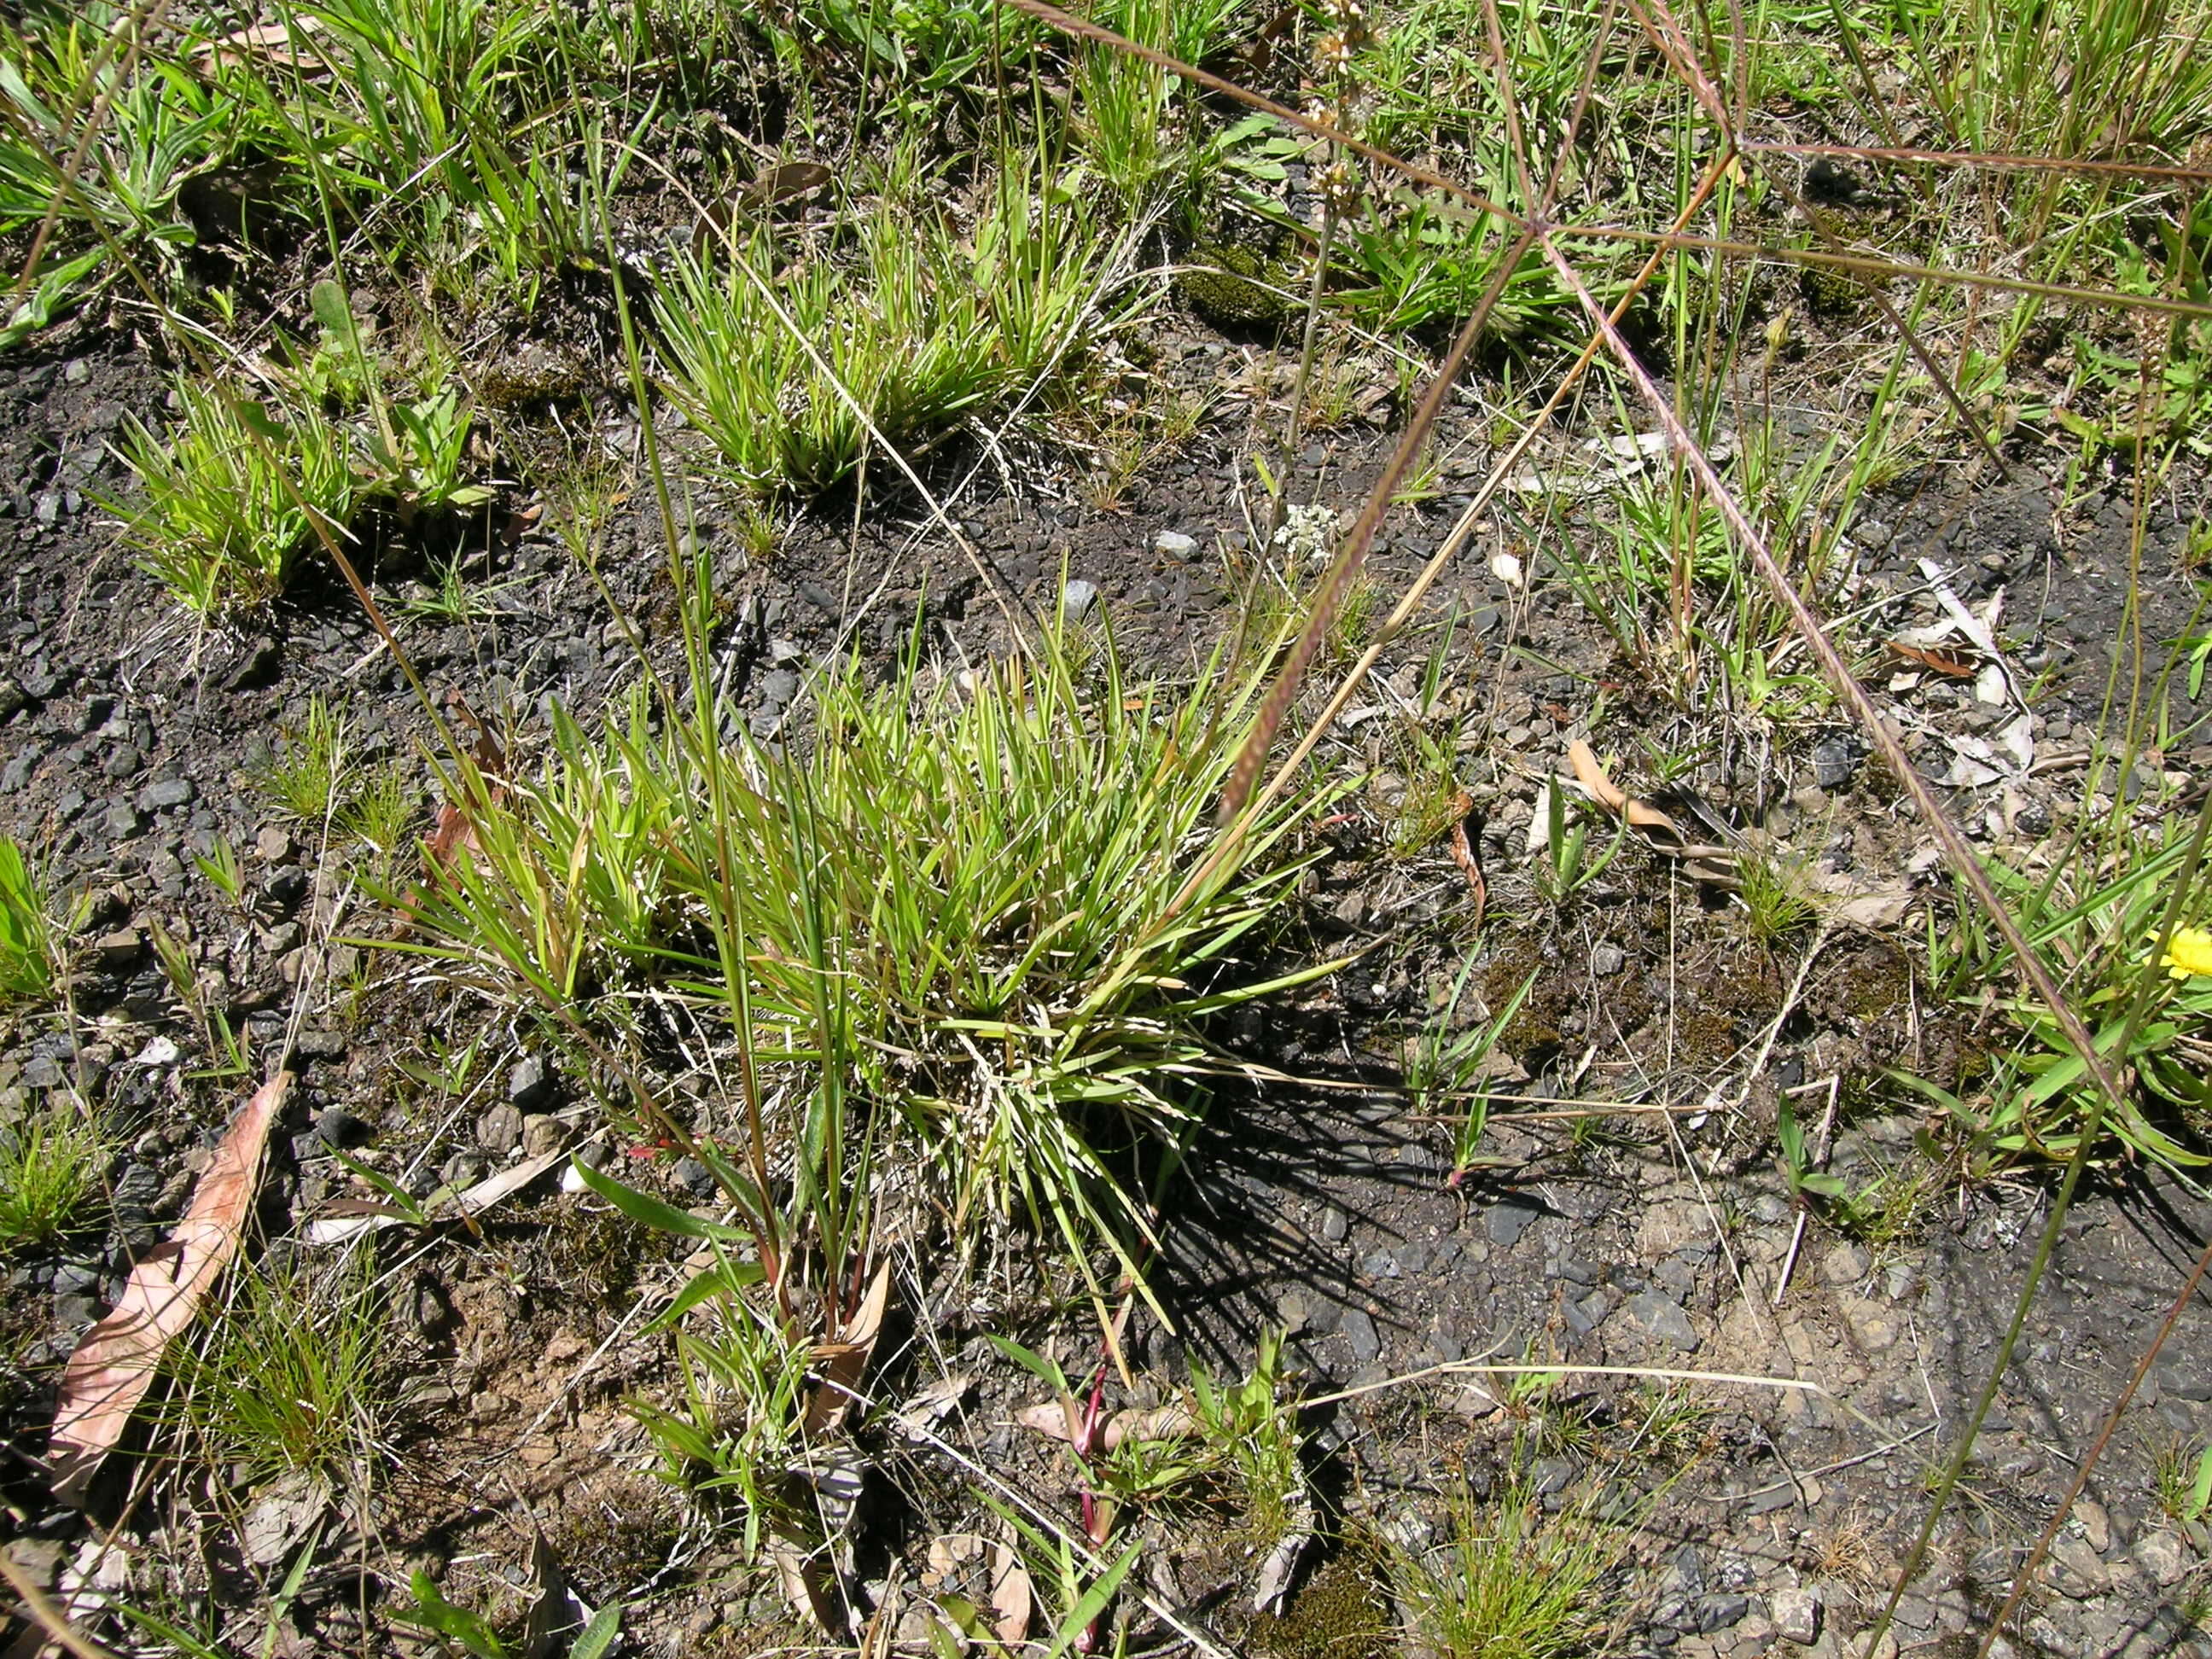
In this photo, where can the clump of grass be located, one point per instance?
(1775, 902)
(1511, 1581)
(918, 327)
(287, 1378)
(29, 942)
(974, 919)
(51, 1166)
(220, 527)
(308, 775)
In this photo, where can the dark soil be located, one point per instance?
(1655, 1237)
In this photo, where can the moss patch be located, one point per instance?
(1343, 1612)
(1230, 297)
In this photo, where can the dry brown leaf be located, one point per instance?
(1013, 1598)
(1161, 1423)
(1610, 795)
(933, 1405)
(1952, 664)
(346, 1217)
(804, 1582)
(1708, 861)
(1058, 1419)
(270, 42)
(108, 1374)
(845, 1361)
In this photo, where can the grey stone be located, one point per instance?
(1661, 1318)
(2081, 1574)
(17, 772)
(1334, 1224)
(2162, 1556)
(1721, 1612)
(2096, 1523)
(119, 950)
(1834, 764)
(499, 1131)
(11, 698)
(337, 1126)
(696, 1175)
(39, 1558)
(1174, 544)
(2183, 1379)
(123, 820)
(541, 1134)
(1077, 598)
(1797, 1614)
(777, 688)
(1507, 1220)
(274, 844)
(1872, 1325)
(465, 1169)
(320, 1045)
(164, 793)
(1359, 1331)
(1845, 1264)
(527, 1083)
(1606, 960)
(1586, 1315)
(1550, 1475)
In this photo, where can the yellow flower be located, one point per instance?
(2189, 954)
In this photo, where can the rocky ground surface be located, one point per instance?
(1663, 1237)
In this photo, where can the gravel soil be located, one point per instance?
(1663, 1237)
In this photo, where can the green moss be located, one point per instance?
(1341, 1613)
(1836, 295)
(1706, 1036)
(1881, 985)
(1230, 295)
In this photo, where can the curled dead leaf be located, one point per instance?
(1953, 665)
(108, 1374)
(1705, 861)
(845, 1361)
(1122, 1428)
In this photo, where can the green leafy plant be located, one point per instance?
(2094, 916)
(453, 1626)
(2182, 1478)
(741, 1430)
(220, 865)
(52, 1165)
(234, 495)
(119, 211)
(423, 460)
(1254, 1430)
(1566, 863)
(1446, 1068)
(30, 943)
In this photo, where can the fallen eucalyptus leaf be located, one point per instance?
(108, 1374)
